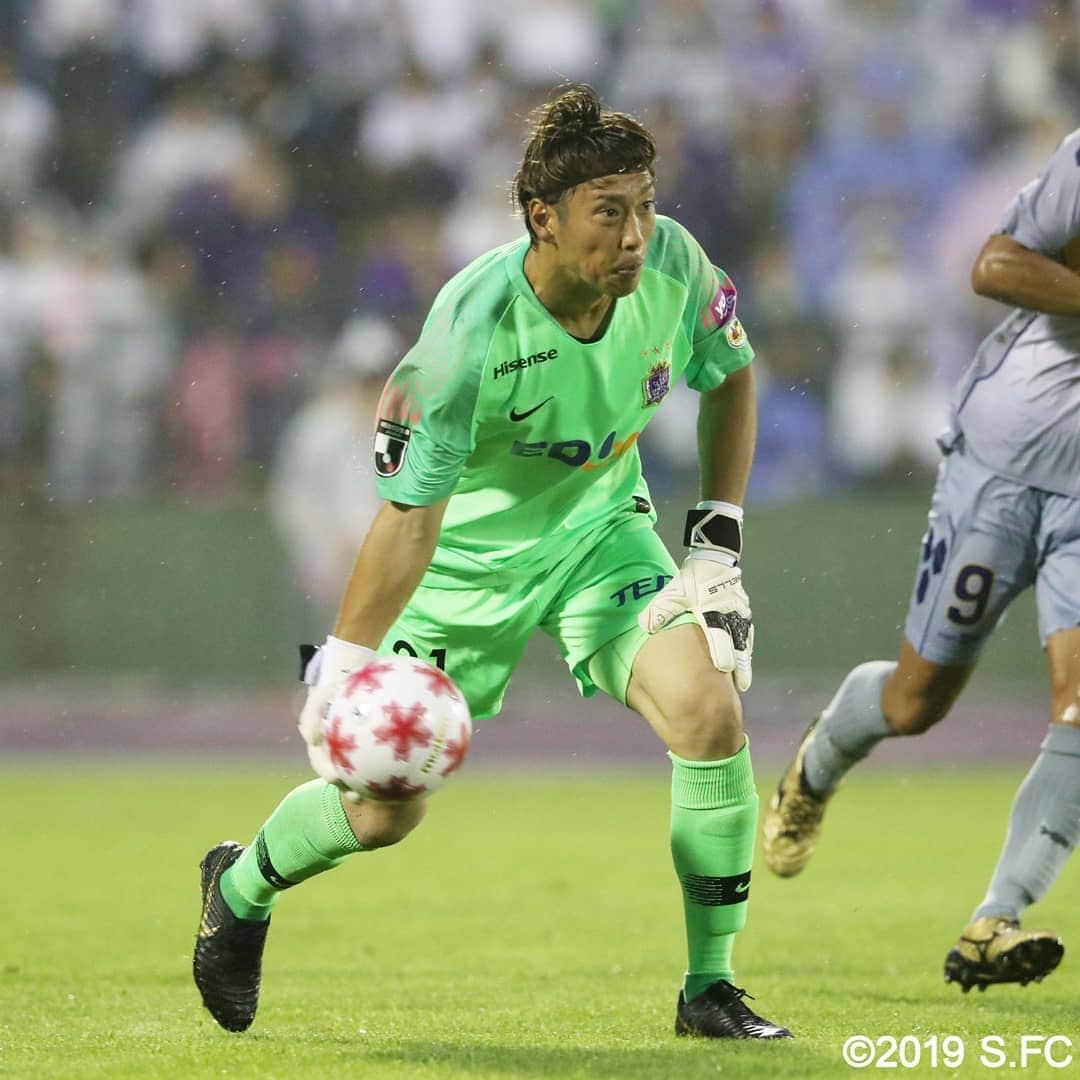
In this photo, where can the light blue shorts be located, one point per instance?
(988, 539)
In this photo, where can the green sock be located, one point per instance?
(714, 809)
(308, 833)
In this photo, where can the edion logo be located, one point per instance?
(721, 309)
(578, 453)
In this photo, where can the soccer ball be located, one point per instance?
(397, 730)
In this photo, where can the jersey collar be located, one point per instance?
(515, 268)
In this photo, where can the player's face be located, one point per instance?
(603, 231)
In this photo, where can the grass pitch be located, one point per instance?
(532, 927)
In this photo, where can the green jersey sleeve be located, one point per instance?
(719, 342)
(425, 426)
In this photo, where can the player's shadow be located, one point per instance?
(683, 1059)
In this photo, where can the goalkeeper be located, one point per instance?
(505, 451)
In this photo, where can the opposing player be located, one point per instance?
(1005, 515)
(506, 452)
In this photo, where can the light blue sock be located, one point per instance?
(851, 725)
(1044, 827)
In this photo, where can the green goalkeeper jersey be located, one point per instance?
(531, 431)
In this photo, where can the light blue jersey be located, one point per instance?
(1018, 403)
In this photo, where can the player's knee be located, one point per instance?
(705, 723)
(382, 824)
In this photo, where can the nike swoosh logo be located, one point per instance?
(516, 416)
(743, 886)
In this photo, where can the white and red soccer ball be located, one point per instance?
(397, 730)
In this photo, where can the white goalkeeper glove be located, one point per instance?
(709, 586)
(324, 671)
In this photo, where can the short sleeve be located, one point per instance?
(719, 342)
(1045, 215)
(424, 430)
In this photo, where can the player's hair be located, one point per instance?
(575, 138)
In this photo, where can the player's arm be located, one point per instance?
(709, 583)
(1005, 270)
(394, 557)
(395, 554)
(727, 430)
(422, 441)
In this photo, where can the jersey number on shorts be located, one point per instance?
(438, 656)
(973, 585)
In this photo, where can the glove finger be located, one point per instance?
(743, 674)
(313, 714)
(721, 649)
(743, 660)
(310, 731)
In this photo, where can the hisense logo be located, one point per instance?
(523, 362)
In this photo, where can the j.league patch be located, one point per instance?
(391, 444)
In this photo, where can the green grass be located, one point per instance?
(532, 927)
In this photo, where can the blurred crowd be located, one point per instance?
(222, 221)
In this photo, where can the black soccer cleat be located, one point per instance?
(994, 950)
(228, 950)
(719, 1012)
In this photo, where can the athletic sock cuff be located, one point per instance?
(337, 821)
(1062, 739)
(709, 785)
(239, 904)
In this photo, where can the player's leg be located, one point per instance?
(669, 679)
(314, 828)
(977, 555)
(877, 700)
(1044, 824)
(714, 810)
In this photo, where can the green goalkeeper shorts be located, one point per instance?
(589, 606)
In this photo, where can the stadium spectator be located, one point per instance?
(879, 168)
(361, 120)
(886, 407)
(113, 362)
(322, 489)
(190, 141)
(171, 39)
(27, 123)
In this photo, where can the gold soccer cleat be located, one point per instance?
(995, 950)
(793, 820)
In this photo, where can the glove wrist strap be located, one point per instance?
(714, 527)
